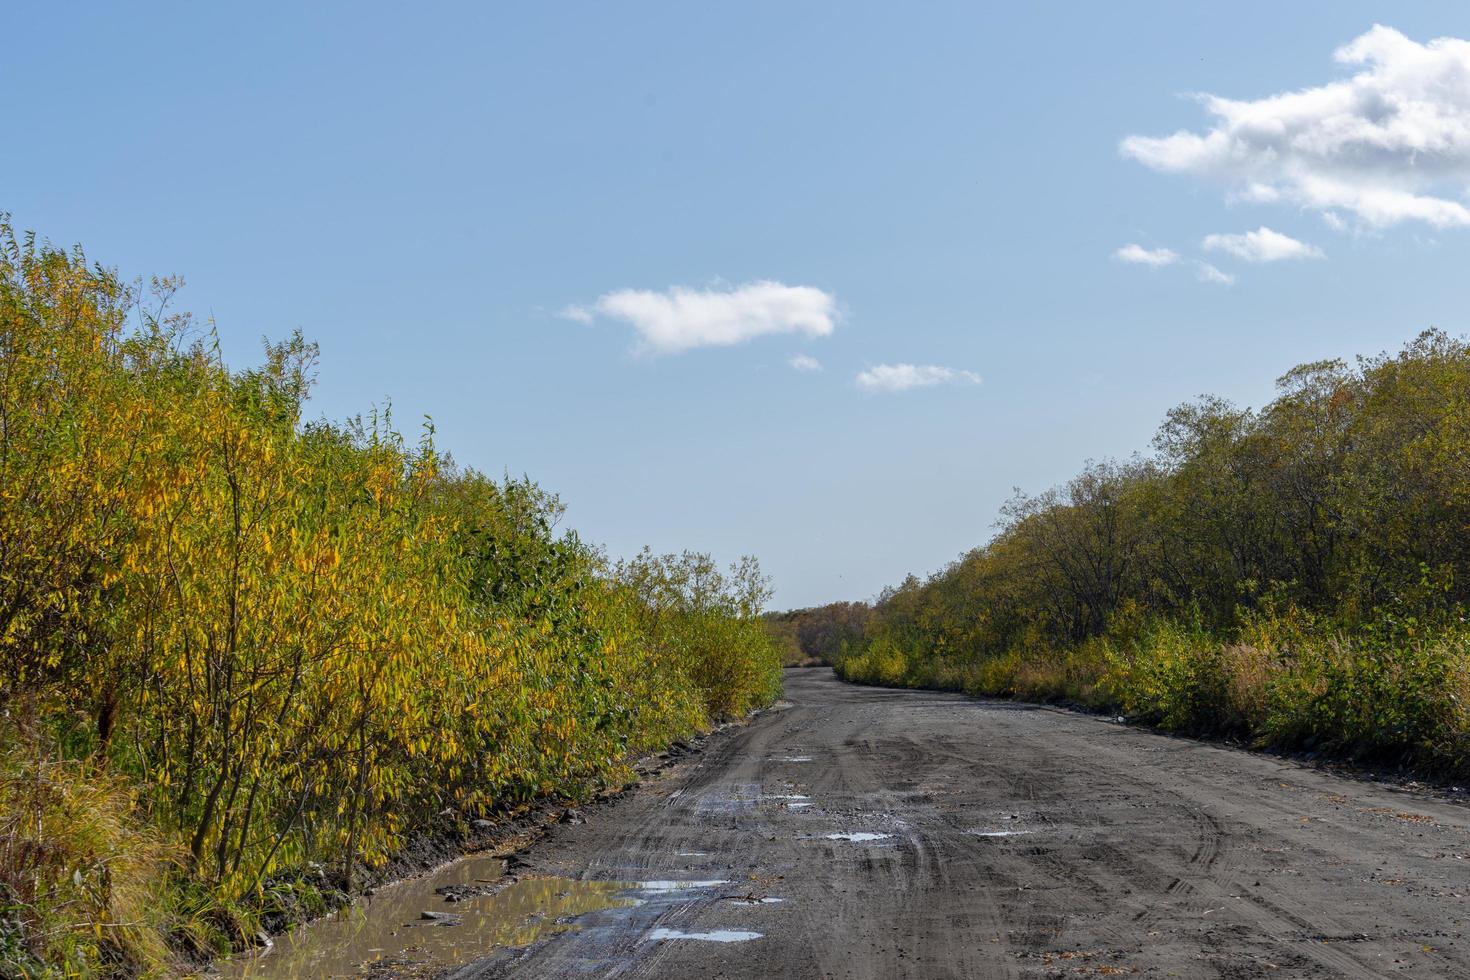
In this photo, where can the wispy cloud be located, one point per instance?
(803, 362)
(1389, 144)
(1205, 272)
(1261, 245)
(1138, 255)
(902, 377)
(577, 314)
(681, 319)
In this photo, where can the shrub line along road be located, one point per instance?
(1024, 842)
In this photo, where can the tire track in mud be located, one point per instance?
(1023, 842)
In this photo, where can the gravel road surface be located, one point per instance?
(983, 839)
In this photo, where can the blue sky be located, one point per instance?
(442, 194)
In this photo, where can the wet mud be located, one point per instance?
(423, 926)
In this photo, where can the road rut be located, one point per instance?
(1021, 841)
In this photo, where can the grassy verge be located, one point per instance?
(1382, 697)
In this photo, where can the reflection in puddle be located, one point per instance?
(674, 886)
(389, 926)
(717, 936)
(792, 758)
(856, 836)
(999, 833)
(797, 806)
(734, 797)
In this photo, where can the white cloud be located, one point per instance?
(1262, 245)
(902, 377)
(1208, 273)
(680, 319)
(1390, 144)
(1139, 255)
(1157, 257)
(802, 362)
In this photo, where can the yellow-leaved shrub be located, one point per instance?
(281, 644)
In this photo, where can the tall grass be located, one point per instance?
(82, 878)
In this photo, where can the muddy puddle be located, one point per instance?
(390, 930)
(858, 836)
(717, 936)
(660, 887)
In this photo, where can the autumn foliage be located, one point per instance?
(819, 634)
(1295, 576)
(284, 643)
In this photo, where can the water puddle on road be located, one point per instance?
(999, 833)
(717, 936)
(786, 796)
(676, 886)
(389, 927)
(858, 836)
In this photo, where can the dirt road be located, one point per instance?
(1016, 841)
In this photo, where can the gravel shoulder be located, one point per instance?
(996, 839)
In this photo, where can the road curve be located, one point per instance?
(1022, 841)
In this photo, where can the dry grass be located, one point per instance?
(81, 881)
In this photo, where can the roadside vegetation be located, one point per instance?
(1296, 576)
(816, 636)
(244, 655)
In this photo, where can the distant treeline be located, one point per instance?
(807, 637)
(1296, 575)
(244, 655)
